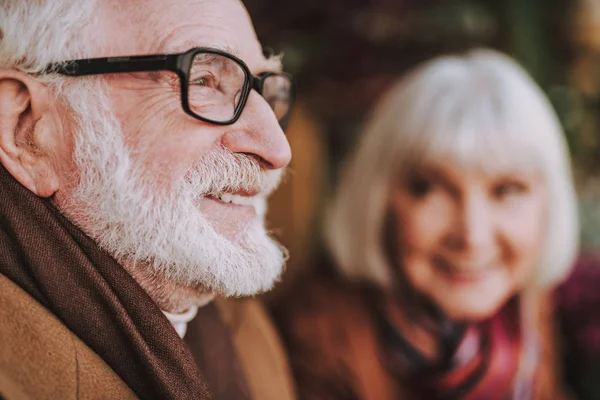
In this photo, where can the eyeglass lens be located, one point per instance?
(216, 84)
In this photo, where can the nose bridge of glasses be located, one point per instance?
(258, 83)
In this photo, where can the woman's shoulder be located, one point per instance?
(325, 295)
(577, 301)
(322, 298)
(326, 325)
(580, 286)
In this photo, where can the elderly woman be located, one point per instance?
(454, 218)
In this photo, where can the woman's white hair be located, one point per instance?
(480, 109)
(35, 33)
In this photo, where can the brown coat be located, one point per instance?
(40, 358)
(332, 343)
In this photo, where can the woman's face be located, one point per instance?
(468, 240)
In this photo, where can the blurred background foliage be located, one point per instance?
(344, 53)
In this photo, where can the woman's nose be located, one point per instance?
(474, 227)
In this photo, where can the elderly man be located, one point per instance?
(138, 142)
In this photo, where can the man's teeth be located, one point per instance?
(238, 200)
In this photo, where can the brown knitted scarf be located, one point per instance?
(67, 272)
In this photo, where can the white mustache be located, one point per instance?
(222, 171)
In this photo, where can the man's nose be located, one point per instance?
(258, 133)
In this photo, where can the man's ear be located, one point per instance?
(28, 132)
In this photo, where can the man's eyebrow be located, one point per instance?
(227, 49)
(169, 47)
(272, 62)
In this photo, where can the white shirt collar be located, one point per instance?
(180, 321)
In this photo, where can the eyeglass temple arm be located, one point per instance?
(115, 65)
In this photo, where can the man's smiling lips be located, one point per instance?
(245, 202)
(230, 216)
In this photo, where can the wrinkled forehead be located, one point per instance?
(169, 26)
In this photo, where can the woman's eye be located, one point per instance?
(419, 186)
(506, 190)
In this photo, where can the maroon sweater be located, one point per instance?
(577, 303)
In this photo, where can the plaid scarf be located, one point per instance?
(492, 360)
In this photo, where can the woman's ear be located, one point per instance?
(28, 134)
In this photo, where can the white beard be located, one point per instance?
(119, 207)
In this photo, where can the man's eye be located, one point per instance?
(206, 81)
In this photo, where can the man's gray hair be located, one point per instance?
(34, 33)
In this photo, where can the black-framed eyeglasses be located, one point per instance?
(215, 85)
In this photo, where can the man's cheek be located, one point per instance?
(145, 119)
